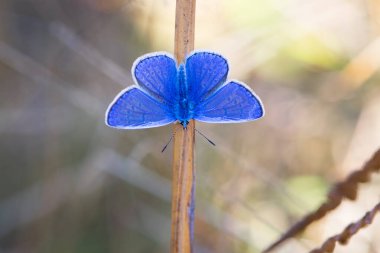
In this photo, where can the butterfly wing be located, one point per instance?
(135, 109)
(233, 102)
(205, 72)
(156, 73)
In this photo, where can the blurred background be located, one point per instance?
(70, 184)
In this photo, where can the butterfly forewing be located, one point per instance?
(134, 109)
(232, 103)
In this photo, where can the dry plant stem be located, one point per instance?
(346, 189)
(329, 245)
(183, 185)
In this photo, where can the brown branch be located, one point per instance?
(183, 185)
(346, 189)
(329, 245)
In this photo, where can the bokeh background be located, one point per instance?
(70, 184)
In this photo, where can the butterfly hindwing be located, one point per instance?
(205, 72)
(156, 73)
(135, 109)
(232, 103)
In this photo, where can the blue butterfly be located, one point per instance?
(195, 89)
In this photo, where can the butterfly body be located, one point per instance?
(195, 89)
(183, 106)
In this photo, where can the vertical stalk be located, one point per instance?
(183, 184)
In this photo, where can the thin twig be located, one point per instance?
(329, 245)
(346, 189)
(183, 185)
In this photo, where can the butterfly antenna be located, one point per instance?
(167, 144)
(204, 136)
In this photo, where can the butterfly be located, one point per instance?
(165, 92)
